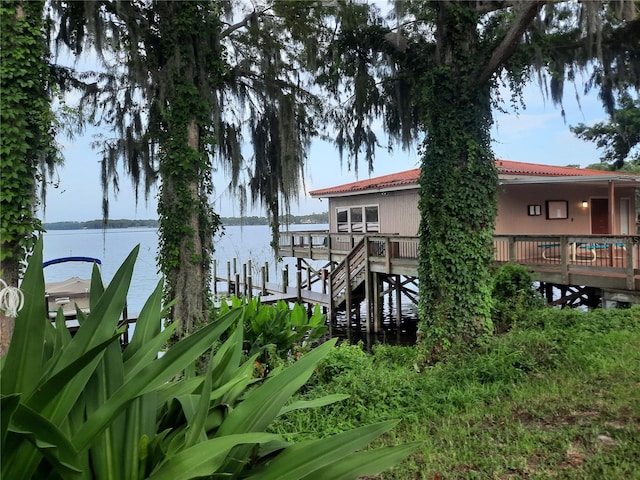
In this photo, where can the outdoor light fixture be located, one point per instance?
(585, 204)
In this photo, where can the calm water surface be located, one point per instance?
(242, 243)
(114, 245)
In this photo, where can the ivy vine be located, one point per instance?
(27, 142)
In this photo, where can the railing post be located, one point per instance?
(285, 278)
(264, 280)
(564, 259)
(631, 258)
(512, 249)
(347, 271)
(387, 254)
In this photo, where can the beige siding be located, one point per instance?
(513, 215)
(398, 212)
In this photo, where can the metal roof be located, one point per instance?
(508, 172)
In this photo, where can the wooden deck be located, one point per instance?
(607, 262)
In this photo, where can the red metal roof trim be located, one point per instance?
(505, 167)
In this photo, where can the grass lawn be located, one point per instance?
(556, 397)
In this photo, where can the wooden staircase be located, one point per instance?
(348, 278)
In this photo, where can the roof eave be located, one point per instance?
(569, 179)
(368, 191)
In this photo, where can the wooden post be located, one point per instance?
(266, 267)
(323, 279)
(398, 301)
(387, 254)
(229, 278)
(376, 282)
(237, 284)
(512, 249)
(250, 285)
(264, 280)
(631, 254)
(299, 279)
(564, 259)
(369, 318)
(347, 271)
(215, 276)
(244, 279)
(285, 278)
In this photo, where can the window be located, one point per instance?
(342, 219)
(371, 218)
(359, 219)
(356, 219)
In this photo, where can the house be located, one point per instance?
(574, 228)
(532, 199)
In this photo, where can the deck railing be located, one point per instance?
(603, 255)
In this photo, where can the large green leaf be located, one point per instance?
(196, 423)
(106, 449)
(364, 464)
(56, 396)
(203, 459)
(264, 403)
(105, 314)
(300, 459)
(176, 359)
(147, 352)
(8, 404)
(261, 405)
(148, 323)
(317, 402)
(51, 442)
(140, 425)
(23, 364)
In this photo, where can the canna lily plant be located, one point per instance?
(81, 407)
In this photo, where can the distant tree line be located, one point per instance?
(314, 218)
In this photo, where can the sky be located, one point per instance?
(537, 134)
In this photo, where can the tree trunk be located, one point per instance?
(458, 194)
(6, 332)
(185, 242)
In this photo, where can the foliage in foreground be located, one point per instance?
(277, 333)
(555, 397)
(81, 408)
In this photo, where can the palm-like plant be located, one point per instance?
(81, 407)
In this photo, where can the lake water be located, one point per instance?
(242, 243)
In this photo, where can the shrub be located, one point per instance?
(513, 296)
(277, 333)
(81, 407)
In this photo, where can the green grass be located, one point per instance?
(557, 397)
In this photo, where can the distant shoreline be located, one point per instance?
(312, 219)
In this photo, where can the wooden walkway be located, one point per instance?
(609, 263)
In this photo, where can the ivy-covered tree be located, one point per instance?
(434, 72)
(27, 146)
(184, 85)
(620, 136)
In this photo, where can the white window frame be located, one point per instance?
(361, 226)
